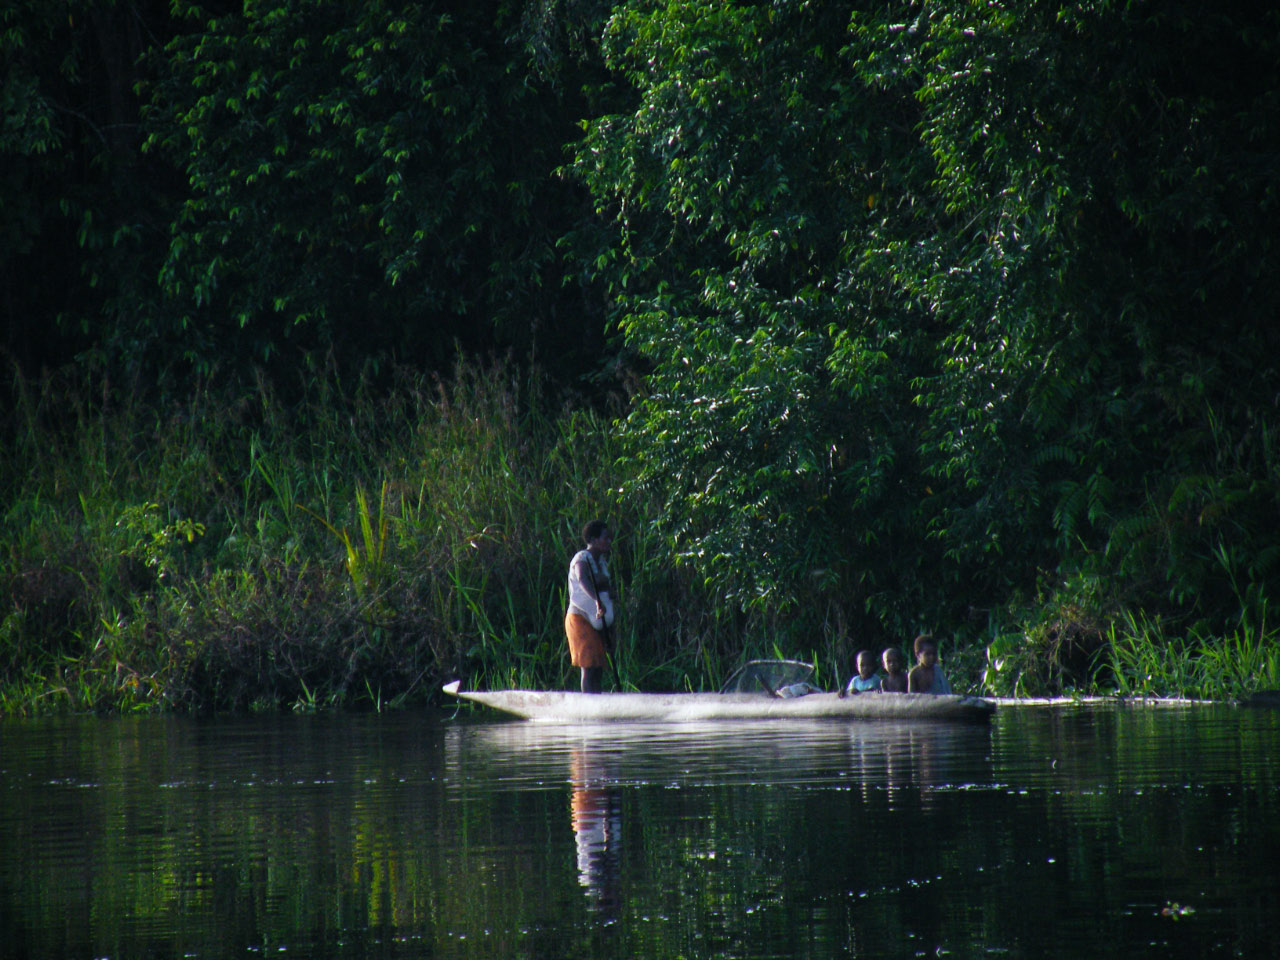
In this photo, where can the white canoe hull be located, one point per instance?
(572, 707)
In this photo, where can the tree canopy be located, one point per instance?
(928, 309)
(947, 303)
(377, 173)
(246, 179)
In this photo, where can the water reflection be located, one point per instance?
(898, 772)
(1057, 832)
(894, 758)
(913, 763)
(596, 814)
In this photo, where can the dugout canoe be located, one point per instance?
(572, 707)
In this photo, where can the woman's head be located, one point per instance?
(593, 530)
(598, 537)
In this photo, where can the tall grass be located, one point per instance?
(1079, 640)
(358, 546)
(1147, 659)
(1149, 656)
(351, 546)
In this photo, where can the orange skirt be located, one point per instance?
(586, 646)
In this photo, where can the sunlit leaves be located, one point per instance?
(738, 186)
(979, 255)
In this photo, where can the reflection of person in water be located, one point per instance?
(596, 812)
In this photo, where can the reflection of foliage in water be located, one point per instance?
(408, 839)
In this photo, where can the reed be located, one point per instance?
(357, 546)
(1148, 658)
(350, 547)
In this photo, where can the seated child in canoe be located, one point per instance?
(927, 676)
(895, 679)
(867, 678)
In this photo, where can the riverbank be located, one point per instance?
(345, 547)
(355, 547)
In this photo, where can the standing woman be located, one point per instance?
(590, 613)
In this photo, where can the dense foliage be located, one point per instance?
(377, 174)
(931, 316)
(954, 307)
(79, 204)
(246, 182)
(354, 548)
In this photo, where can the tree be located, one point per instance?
(376, 177)
(1106, 285)
(777, 420)
(947, 301)
(80, 210)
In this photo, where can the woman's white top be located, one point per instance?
(580, 601)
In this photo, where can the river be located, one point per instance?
(1057, 831)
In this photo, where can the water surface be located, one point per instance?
(1055, 832)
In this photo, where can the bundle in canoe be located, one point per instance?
(736, 701)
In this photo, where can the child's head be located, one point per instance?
(866, 663)
(893, 660)
(926, 650)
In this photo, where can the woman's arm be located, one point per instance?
(592, 585)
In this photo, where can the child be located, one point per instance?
(866, 679)
(927, 676)
(896, 679)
